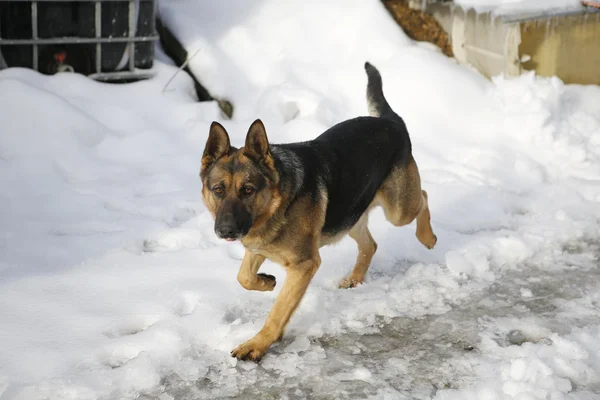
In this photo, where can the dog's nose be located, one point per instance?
(230, 226)
(226, 231)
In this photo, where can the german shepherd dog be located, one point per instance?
(285, 201)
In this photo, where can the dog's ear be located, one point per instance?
(257, 144)
(217, 144)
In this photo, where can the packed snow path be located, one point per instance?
(114, 285)
(514, 331)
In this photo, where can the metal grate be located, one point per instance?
(130, 72)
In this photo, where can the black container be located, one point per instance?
(87, 36)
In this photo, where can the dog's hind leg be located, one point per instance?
(403, 201)
(366, 249)
(424, 231)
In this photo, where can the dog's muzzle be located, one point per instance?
(229, 228)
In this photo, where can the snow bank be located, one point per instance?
(114, 285)
(269, 56)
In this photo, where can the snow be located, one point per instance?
(507, 7)
(115, 286)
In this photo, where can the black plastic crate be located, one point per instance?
(105, 39)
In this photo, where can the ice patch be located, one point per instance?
(301, 343)
(473, 262)
(526, 292)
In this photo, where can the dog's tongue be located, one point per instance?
(230, 240)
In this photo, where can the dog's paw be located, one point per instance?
(254, 349)
(434, 242)
(269, 281)
(349, 282)
(260, 282)
(428, 241)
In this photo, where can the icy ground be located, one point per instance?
(113, 285)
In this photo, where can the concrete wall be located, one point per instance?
(481, 40)
(563, 46)
(567, 47)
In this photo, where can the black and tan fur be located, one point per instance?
(284, 202)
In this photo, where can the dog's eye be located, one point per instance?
(248, 190)
(218, 190)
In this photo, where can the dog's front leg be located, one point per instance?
(249, 277)
(298, 277)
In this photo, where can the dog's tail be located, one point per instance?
(378, 105)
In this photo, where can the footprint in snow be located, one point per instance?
(181, 216)
(174, 240)
(186, 304)
(131, 325)
(123, 350)
(233, 315)
(119, 356)
(87, 229)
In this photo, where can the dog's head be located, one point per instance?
(239, 186)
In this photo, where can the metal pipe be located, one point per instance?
(98, 29)
(154, 16)
(77, 40)
(131, 45)
(121, 75)
(34, 34)
(547, 14)
(65, 1)
(2, 62)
